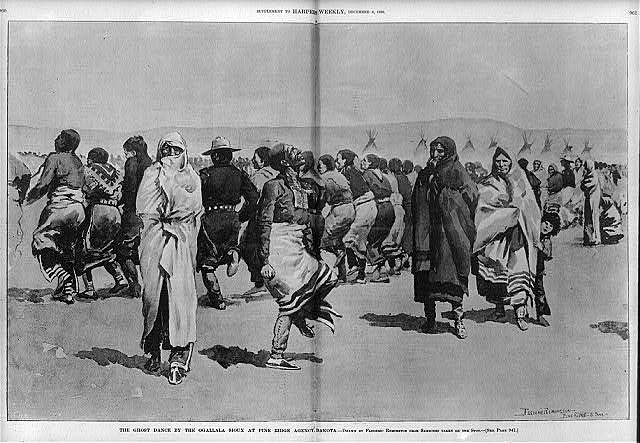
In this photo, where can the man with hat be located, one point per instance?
(222, 186)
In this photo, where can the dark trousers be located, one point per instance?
(217, 237)
(249, 251)
(316, 223)
(542, 306)
(159, 334)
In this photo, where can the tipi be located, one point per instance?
(547, 143)
(527, 143)
(371, 144)
(493, 142)
(567, 147)
(587, 147)
(468, 147)
(422, 146)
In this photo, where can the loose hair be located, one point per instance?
(328, 161)
(263, 154)
(407, 166)
(395, 165)
(98, 155)
(135, 144)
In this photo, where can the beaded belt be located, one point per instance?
(383, 200)
(107, 202)
(220, 208)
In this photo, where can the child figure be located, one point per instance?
(549, 227)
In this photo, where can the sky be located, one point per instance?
(138, 75)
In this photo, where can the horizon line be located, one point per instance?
(324, 126)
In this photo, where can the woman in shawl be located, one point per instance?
(56, 241)
(295, 278)
(313, 185)
(339, 212)
(408, 171)
(444, 201)
(170, 205)
(392, 244)
(576, 202)
(102, 189)
(128, 240)
(559, 196)
(405, 188)
(508, 237)
(355, 239)
(385, 218)
(602, 219)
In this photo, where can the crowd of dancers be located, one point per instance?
(302, 226)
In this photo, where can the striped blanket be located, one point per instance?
(301, 283)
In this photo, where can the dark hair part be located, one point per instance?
(222, 156)
(135, 144)
(328, 161)
(98, 155)
(263, 154)
(395, 165)
(348, 156)
(70, 140)
(523, 162)
(407, 166)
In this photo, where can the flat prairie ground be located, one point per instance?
(83, 361)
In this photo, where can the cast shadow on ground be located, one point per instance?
(233, 355)
(485, 315)
(235, 299)
(44, 295)
(103, 294)
(29, 295)
(106, 357)
(613, 327)
(405, 322)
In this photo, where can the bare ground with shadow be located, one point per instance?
(233, 355)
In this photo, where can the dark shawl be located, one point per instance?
(444, 200)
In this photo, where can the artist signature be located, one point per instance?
(567, 413)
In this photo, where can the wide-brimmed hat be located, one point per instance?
(220, 144)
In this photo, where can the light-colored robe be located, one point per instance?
(169, 203)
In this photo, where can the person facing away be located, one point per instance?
(102, 189)
(169, 204)
(313, 186)
(405, 188)
(602, 218)
(223, 186)
(339, 212)
(385, 217)
(355, 240)
(128, 239)
(533, 180)
(56, 241)
(248, 239)
(392, 244)
(444, 202)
